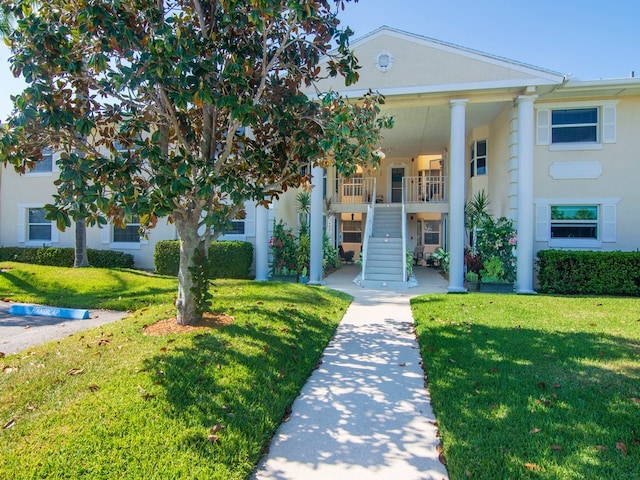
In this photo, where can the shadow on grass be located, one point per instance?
(562, 401)
(122, 293)
(242, 377)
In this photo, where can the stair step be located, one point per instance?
(384, 277)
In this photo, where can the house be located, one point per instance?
(556, 155)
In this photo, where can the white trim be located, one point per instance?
(23, 227)
(575, 170)
(574, 243)
(445, 88)
(580, 104)
(560, 147)
(606, 221)
(606, 128)
(379, 55)
(543, 126)
(547, 75)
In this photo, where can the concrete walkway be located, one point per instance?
(364, 414)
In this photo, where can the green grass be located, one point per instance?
(142, 407)
(85, 287)
(534, 387)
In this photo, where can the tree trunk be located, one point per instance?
(186, 308)
(81, 259)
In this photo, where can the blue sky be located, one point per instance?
(589, 39)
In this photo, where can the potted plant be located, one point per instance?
(473, 281)
(496, 247)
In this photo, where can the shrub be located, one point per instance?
(231, 259)
(64, 257)
(589, 273)
(109, 259)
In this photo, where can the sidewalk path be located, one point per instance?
(364, 414)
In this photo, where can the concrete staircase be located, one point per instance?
(384, 254)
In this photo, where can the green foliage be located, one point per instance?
(330, 254)
(84, 287)
(227, 259)
(441, 255)
(143, 405)
(533, 387)
(64, 257)
(589, 273)
(495, 243)
(409, 261)
(283, 250)
(493, 271)
(157, 125)
(303, 253)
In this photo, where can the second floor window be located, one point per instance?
(478, 164)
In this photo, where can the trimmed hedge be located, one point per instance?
(64, 257)
(229, 259)
(589, 273)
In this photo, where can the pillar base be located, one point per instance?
(526, 292)
(456, 290)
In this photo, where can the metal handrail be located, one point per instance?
(368, 229)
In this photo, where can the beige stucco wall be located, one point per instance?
(421, 62)
(619, 179)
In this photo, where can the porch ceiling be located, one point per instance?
(426, 129)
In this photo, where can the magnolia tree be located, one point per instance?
(182, 110)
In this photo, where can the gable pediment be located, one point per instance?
(395, 60)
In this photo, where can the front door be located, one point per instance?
(396, 184)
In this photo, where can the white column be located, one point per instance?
(525, 194)
(315, 270)
(457, 196)
(262, 243)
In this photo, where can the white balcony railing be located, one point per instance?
(356, 190)
(425, 189)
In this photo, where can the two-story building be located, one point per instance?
(544, 147)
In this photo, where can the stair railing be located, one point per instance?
(368, 230)
(404, 238)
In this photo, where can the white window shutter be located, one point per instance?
(106, 234)
(543, 127)
(22, 228)
(250, 219)
(609, 124)
(55, 233)
(542, 223)
(608, 223)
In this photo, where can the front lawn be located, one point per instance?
(534, 387)
(115, 403)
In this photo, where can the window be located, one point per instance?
(478, 165)
(45, 165)
(39, 229)
(431, 234)
(237, 228)
(574, 221)
(128, 234)
(352, 231)
(575, 125)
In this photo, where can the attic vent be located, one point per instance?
(383, 60)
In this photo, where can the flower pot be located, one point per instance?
(490, 287)
(303, 279)
(284, 278)
(473, 286)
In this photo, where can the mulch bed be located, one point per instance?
(170, 325)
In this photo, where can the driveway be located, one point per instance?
(18, 332)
